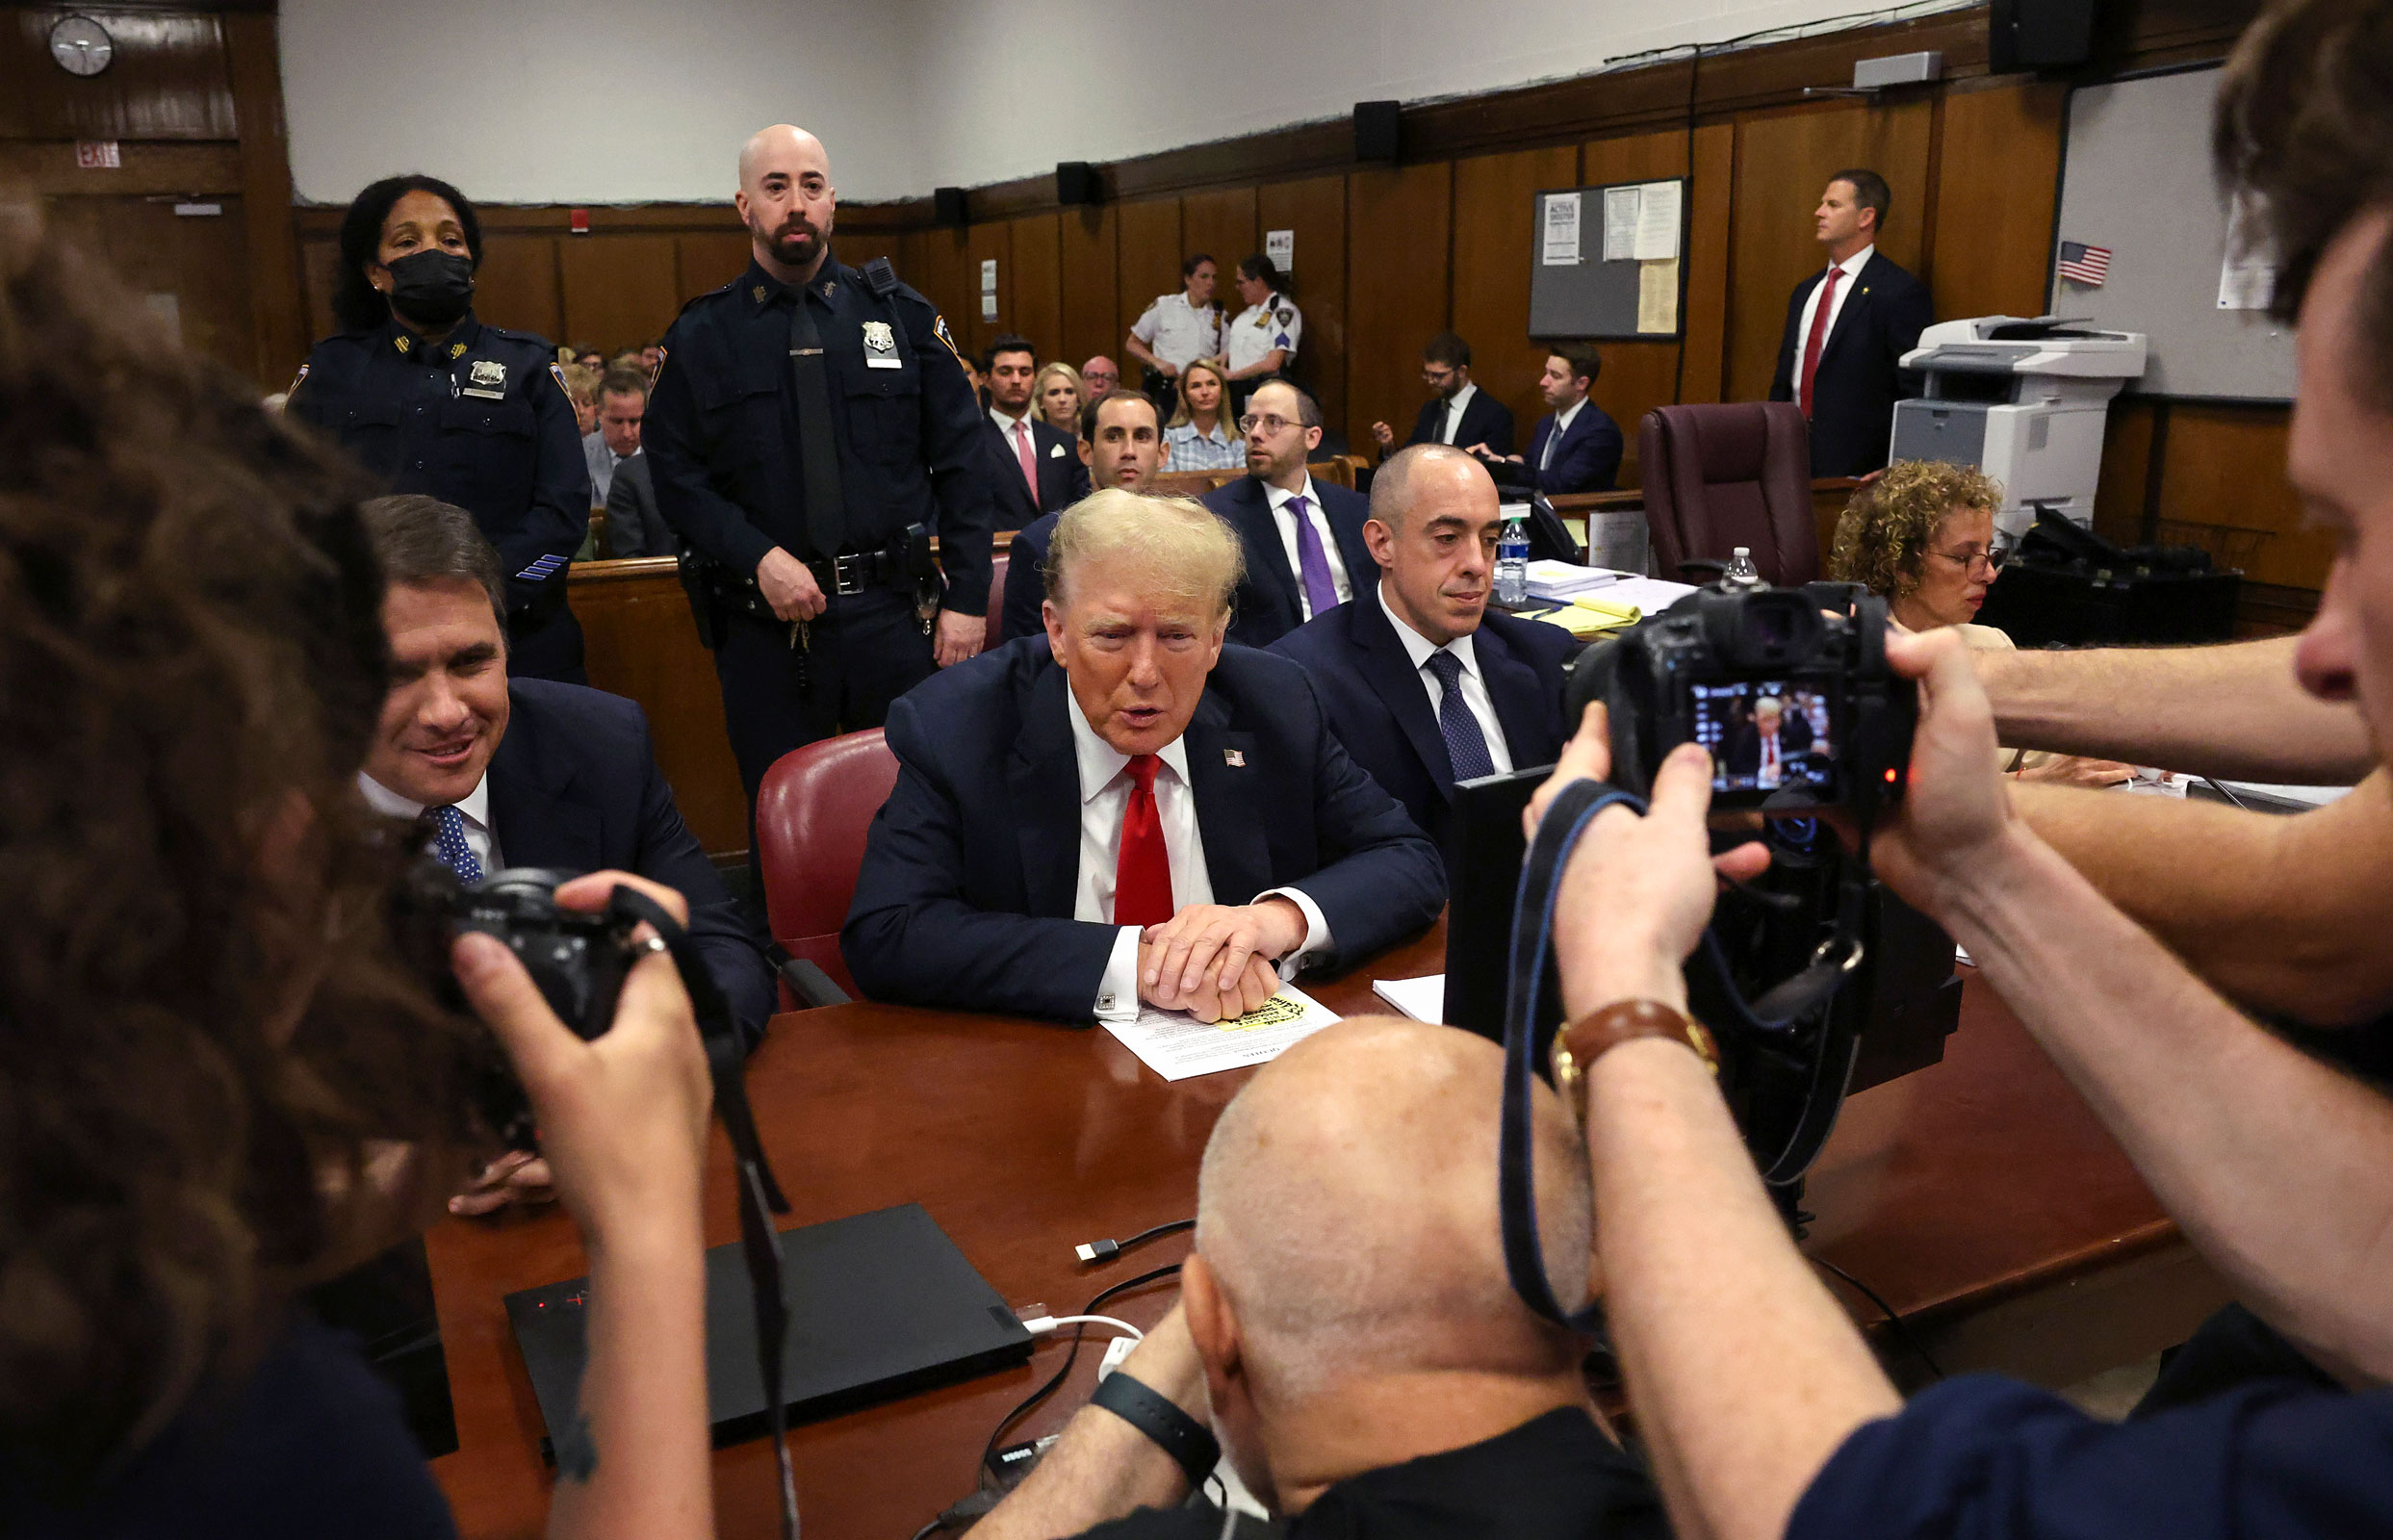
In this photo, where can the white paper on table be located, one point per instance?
(1657, 221)
(1423, 999)
(1177, 1045)
(1652, 594)
(1561, 231)
(1658, 296)
(1620, 217)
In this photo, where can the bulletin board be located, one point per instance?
(2137, 189)
(1609, 263)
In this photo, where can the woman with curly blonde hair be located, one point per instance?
(1920, 535)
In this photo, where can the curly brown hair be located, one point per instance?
(1885, 529)
(204, 1022)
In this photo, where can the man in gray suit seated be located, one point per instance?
(634, 526)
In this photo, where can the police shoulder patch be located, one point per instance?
(556, 373)
(938, 329)
(297, 380)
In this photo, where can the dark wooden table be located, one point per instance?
(1979, 1197)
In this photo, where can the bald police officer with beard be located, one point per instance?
(812, 427)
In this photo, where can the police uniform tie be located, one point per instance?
(818, 446)
(1321, 590)
(1466, 746)
(1143, 871)
(448, 844)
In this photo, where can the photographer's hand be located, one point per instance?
(517, 1178)
(1956, 809)
(623, 1123)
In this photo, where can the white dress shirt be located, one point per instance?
(473, 809)
(1851, 268)
(1178, 332)
(1562, 426)
(1287, 523)
(1457, 404)
(1104, 797)
(1473, 686)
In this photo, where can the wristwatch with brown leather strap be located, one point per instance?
(1582, 1042)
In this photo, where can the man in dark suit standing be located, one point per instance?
(1577, 446)
(1123, 809)
(1123, 444)
(1848, 330)
(1457, 412)
(528, 773)
(1305, 553)
(1033, 468)
(1425, 686)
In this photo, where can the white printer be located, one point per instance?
(2022, 400)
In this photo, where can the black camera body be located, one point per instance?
(1788, 689)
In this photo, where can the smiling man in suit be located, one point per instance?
(1425, 686)
(524, 773)
(1458, 411)
(1032, 465)
(1124, 810)
(1848, 330)
(1304, 542)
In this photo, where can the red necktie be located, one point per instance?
(1030, 467)
(1820, 335)
(1143, 872)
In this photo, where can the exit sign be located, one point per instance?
(98, 155)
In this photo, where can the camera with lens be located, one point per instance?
(577, 959)
(1787, 688)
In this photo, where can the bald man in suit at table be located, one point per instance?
(1123, 809)
(1426, 685)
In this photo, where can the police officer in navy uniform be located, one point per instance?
(812, 427)
(433, 401)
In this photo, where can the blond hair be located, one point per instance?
(1884, 530)
(1185, 551)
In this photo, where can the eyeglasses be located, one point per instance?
(1272, 425)
(1994, 556)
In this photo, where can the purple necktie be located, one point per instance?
(1320, 592)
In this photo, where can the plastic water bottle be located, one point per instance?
(1742, 573)
(1512, 563)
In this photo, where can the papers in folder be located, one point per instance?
(1177, 1045)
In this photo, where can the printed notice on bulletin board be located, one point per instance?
(1561, 245)
(1610, 260)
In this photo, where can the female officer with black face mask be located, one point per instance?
(433, 401)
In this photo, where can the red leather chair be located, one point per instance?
(996, 594)
(1717, 478)
(813, 812)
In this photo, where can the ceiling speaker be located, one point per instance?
(1375, 126)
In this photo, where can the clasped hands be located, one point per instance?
(1217, 961)
(1638, 891)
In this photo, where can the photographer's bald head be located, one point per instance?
(1348, 1293)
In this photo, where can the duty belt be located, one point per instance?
(853, 575)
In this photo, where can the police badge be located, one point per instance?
(881, 346)
(487, 379)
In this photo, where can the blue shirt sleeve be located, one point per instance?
(1986, 1458)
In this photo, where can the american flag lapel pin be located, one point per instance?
(1233, 758)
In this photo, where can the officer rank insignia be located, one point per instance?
(556, 373)
(881, 346)
(487, 379)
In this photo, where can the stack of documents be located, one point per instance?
(1422, 999)
(1563, 580)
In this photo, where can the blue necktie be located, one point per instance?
(449, 843)
(1466, 746)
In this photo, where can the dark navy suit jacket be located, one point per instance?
(1588, 457)
(1860, 377)
(1267, 606)
(1486, 421)
(574, 785)
(971, 872)
(1063, 480)
(1380, 709)
(1026, 580)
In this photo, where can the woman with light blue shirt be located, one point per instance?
(1198, 437)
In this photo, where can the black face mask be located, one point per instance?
(431, 288)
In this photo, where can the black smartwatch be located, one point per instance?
(1188, 1442)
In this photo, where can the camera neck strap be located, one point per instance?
(1775, 1016)
(759, 1193)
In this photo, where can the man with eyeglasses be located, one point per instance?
(1460, 413)
(1306, 552)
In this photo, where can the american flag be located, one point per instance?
(2084, 263)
